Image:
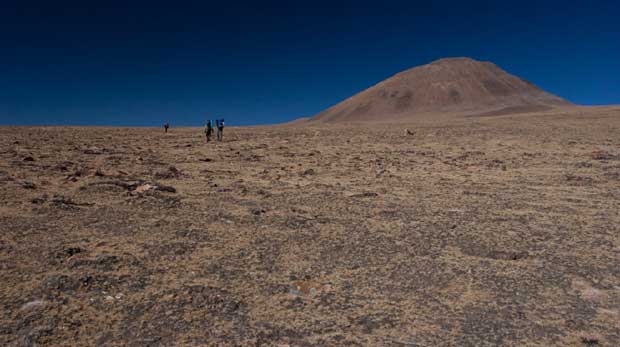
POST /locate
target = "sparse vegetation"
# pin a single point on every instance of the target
(488, 231)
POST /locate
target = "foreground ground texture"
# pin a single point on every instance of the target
(489, 231)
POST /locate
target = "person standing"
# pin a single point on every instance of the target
(208, 130)
(166, 126)
(220, 129)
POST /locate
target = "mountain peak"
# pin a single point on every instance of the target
(454, 60)
(445, 85)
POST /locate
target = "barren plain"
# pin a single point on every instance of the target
(472, 231)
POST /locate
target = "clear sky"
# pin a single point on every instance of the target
(141, 63)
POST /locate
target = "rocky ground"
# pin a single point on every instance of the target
(487, 231)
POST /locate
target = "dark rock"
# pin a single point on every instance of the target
(583, 164)
(71, 251)
(589, 341)
(365, 195)
(168, 189)
(29, 185)
(257, 211)
(171, 173)
(600, 154)
(64, 166)
(308, 172)
(106, 261)
(183, 233)
(39, 200)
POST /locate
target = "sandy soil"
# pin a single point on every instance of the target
(477, 231)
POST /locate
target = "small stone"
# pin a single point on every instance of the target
(32, 305)
(258, 211)
(29, 185)
(39, 200)
(600, 154)
(308, 172)
(589, 340)
(143, 188)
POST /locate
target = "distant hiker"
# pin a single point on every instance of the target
(220, 128)
(166, 126)
(208, 130)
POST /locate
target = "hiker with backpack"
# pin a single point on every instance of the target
(209, 130)
(220, 129)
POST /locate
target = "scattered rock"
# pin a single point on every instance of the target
(66, 203)
(583, 164)
(28, 185)
(600, 154)
(105, 261)
(365, 195)
(35, 304)
(39, 200)
(163, 188)
(86, 280)
(579, 179)
(129, 185)
(508, 255)
(183, 233)
(299, 288)
(99, 173)
(308, 288)
(137, 187)
(308, 172)
(257, 211)
(63, 166)
(171, 173)
(93, 150)
(28, 158)
(80, 171)
(589, 341)
(143, 188)
(71, 251)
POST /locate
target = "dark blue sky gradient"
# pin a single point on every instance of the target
(263, 62)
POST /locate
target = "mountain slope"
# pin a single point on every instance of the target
(446, 85)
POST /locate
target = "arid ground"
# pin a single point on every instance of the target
(472, 231)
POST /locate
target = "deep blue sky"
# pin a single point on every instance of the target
(110, 63)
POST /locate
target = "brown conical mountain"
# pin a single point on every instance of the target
(446, 85)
